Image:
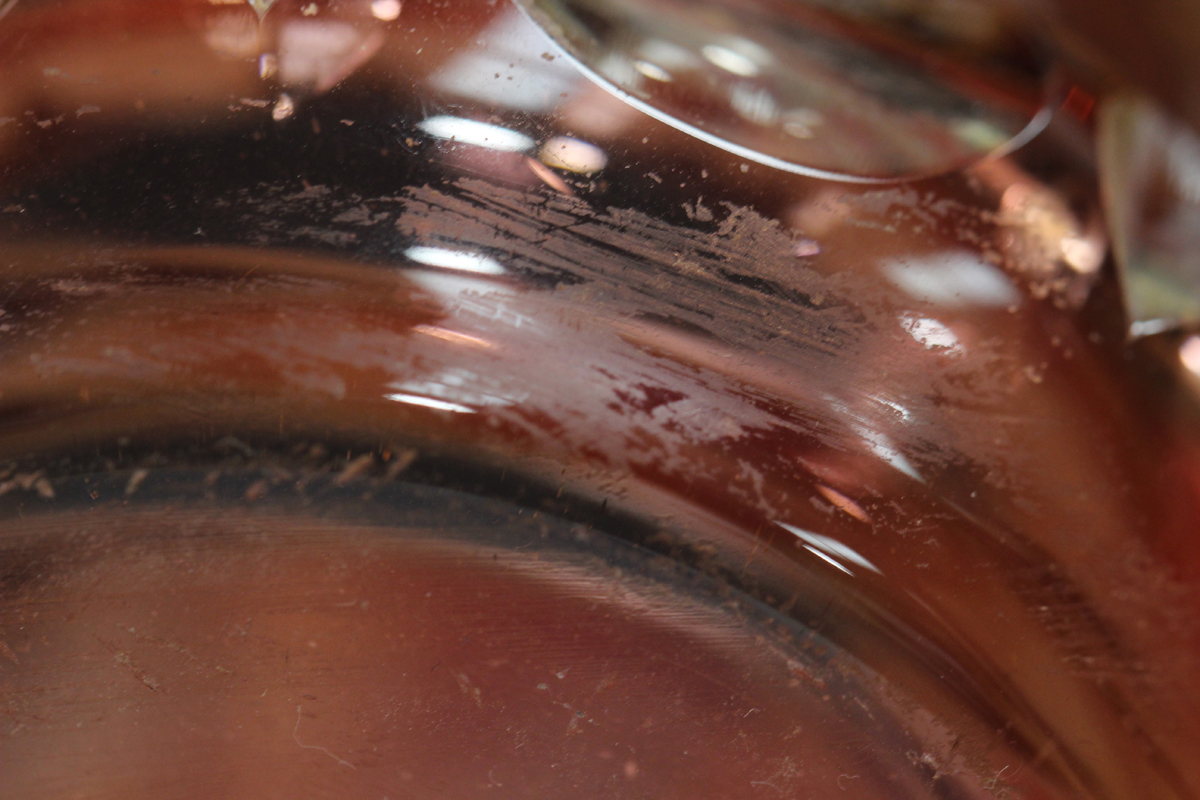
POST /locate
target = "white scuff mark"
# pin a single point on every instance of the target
(296, 736)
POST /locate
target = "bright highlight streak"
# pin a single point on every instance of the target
(652, 71)
(827, 559)
(386, 10)
(828, 547)
(429, 402)
(953, 279)
(284, 108)
(480, 134)
(453, 336)
(1189, 354)
(881, 445)
(455, 259)
(575, 155)
(1083, 255)
(729, 60)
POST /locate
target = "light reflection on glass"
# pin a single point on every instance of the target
(261, 7)
(1082, 254)
(320, 55)
(268, 65)
(875, 440)
(478, 297)
(952, 279)
(844, 503)
(1049, 229)
(455, 337)
(547, 176)
(802, 122)
(458, 387)
(651, 70)
(931, 333)
(429, 402)
(1150, 327)
(284, 108)
(385, 10)
(667, 55)
(730, 60)
(506, 68)
(458, 260)
(480, 134)
(620, 70)
(882, 446)
(729, 73)
(233, 34)
(1150, 169)
(905, 414)
(573, 155)
(754, 103)
(828, 549)
(827, 559)
(1189, 354)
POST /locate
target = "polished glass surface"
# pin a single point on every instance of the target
(393, 405)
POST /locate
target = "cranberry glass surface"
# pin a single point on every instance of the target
(396, 404)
